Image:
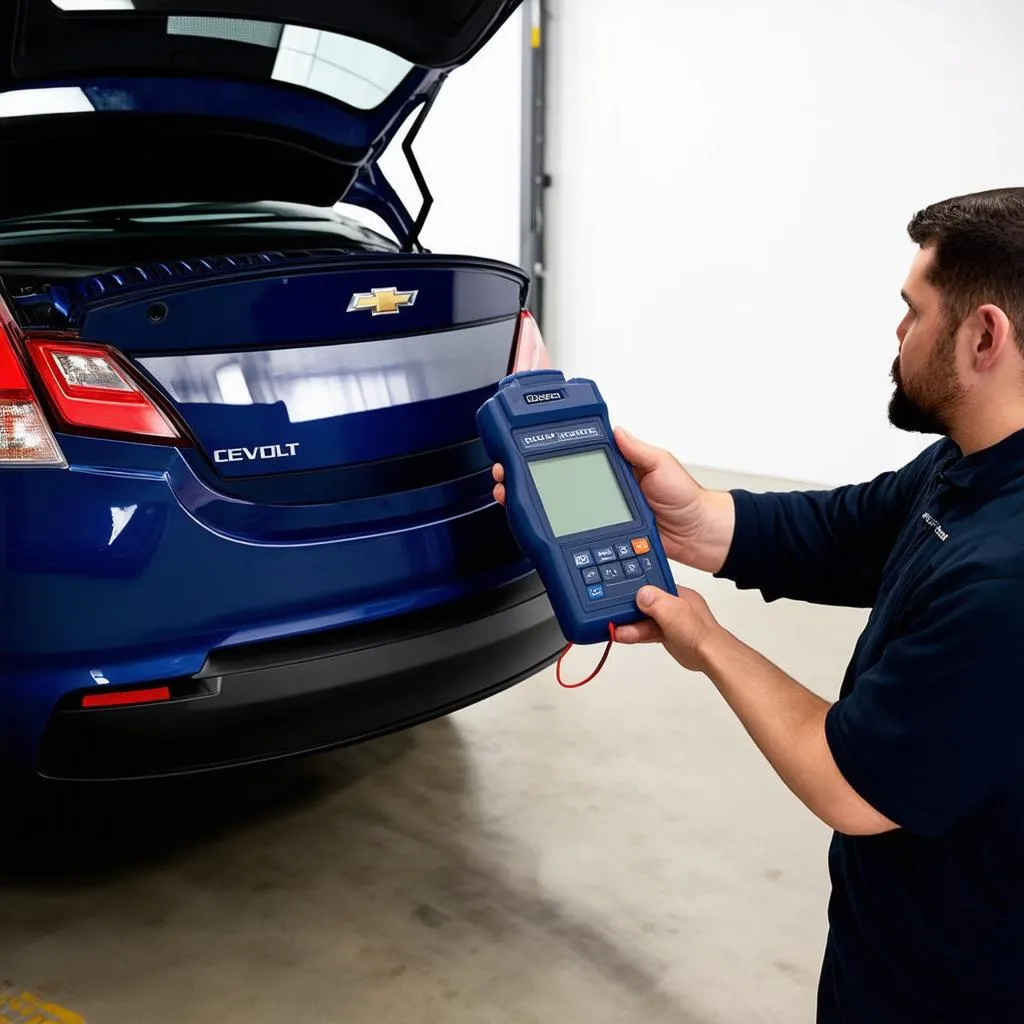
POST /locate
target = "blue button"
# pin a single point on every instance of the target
(604, 555)
(632, 568)
(595, 592)
(611, 573)
(592, 575)
(646, 564)
(582, 559)
(623, 551)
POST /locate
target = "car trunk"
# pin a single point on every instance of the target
(311, 364)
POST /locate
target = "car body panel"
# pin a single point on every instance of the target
(152, 571)
(312, 554)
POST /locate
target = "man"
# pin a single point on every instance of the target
(919, 765)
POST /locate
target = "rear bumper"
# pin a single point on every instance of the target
(286, 698)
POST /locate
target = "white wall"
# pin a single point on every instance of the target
(469, 151)
(727, 226)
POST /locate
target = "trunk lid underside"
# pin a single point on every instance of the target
(182, 100)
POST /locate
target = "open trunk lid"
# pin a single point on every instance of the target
(55, 37)
(184, 100)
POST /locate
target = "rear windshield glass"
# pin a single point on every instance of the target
(357, 73)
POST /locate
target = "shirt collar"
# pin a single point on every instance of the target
(990, 468)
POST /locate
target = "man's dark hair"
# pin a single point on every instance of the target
(979, 253)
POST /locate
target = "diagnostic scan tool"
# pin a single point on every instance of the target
(573, 503)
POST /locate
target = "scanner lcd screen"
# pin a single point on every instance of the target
(579, 492)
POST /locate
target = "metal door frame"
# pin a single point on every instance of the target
(535, 178)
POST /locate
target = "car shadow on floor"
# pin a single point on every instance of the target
(318, 882)
(67, 834)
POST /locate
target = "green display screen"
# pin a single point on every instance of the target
(579, 492)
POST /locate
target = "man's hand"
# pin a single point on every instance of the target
(682, 624)
(695, 525)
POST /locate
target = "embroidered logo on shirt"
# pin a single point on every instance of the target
(935, 525)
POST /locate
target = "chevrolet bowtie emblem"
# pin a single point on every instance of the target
(381, 301)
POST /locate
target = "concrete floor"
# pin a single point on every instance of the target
(616, 853)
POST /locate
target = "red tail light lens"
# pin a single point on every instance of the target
(531, 353)
(25, 437)
(91, 391)
(126, 698)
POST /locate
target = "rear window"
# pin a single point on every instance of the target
(357, 73)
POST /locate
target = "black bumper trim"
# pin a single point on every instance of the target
(299, 696)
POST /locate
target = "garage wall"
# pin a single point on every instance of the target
(732, 182)
(469, 150)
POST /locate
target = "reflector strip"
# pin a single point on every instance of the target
(120, 698)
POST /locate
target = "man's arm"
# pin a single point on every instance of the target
(823, 547)
(787, 723)
(927, 733)
(826, 547)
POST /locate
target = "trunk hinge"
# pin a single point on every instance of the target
(413, 238)
(374, 192)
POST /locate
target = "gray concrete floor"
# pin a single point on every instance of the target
(616, 853)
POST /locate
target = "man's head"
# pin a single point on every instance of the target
(962, 339)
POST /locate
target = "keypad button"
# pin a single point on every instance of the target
(632, 568)
(596, 592)
(623, 550)
(641, 545)
(602, 555)
(582, 559)
(611, 573)
(592, 575)
(646, 564)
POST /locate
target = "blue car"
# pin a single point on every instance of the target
(244, 511)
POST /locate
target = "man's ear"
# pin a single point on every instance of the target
(991, 336)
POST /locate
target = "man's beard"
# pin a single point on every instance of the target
(936, 393)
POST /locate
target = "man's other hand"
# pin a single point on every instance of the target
(682, 624)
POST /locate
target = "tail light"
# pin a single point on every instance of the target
(531, 353)
(92, 392)
(25, 437)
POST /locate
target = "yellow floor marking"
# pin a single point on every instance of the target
(17, 1007)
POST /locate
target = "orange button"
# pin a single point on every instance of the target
(641, 545)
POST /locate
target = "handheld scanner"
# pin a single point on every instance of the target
(573, 504)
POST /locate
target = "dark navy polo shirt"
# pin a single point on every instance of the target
(926, 923)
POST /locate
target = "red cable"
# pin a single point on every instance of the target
(600, 664)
